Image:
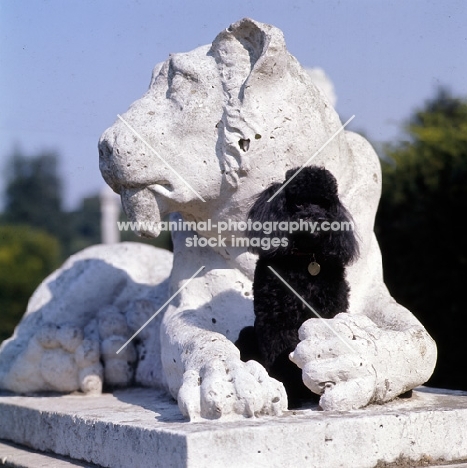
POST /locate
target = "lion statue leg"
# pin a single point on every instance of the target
(82, 314)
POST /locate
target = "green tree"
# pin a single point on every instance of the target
(27, 256)
(420, 227)
(33, 193)
(85, 224)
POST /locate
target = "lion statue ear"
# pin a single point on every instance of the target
(248, 54)
(254, 49)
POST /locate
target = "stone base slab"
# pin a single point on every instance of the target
(17, 456)
(143, 428)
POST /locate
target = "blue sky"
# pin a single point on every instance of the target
(67, 67)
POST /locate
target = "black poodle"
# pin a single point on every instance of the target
(312, 263)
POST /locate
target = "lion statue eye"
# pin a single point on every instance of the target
(177, 85)
(181, 88)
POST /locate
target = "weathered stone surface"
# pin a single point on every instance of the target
(323, 82)
(17, 456)
(84, 312)
(144, 428)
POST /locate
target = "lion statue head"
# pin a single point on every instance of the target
(219, 124)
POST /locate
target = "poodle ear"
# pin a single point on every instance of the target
(264, 209)
(346, 246)
(269, 213)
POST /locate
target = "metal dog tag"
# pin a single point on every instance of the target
(314, 268)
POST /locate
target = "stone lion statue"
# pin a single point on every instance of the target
(216, 126)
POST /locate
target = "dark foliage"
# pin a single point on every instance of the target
(421, 228)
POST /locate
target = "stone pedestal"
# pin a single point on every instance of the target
(143, 428)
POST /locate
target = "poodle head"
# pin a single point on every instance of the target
(311, 186)
(305, 216)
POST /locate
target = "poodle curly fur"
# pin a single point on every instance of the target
(312, 196)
